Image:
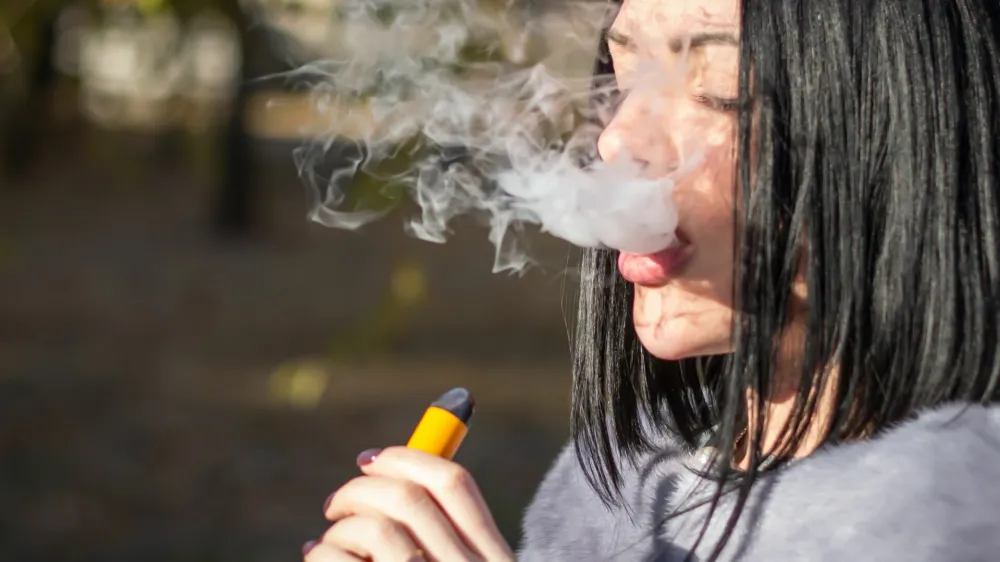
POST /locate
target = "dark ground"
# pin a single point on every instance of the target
(166, 394)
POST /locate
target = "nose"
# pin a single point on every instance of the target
(611, 145)
(641, 137)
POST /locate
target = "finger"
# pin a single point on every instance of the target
(375, 537)
(407, 503)
(453, 488)
(327, 553)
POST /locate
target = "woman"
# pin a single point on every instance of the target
(811, 373)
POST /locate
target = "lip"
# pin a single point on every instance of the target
(654, 269)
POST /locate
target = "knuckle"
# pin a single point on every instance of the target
(408, 495)
(456, 479)
(383, 529)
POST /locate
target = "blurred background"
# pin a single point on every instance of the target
(188, 367)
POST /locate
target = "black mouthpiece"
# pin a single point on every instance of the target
(459, 402)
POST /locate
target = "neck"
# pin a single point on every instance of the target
(779, 408)
(778, 415)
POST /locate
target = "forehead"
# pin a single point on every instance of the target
(659, 18)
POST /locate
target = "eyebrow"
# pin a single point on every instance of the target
(618, 38)
(702, 39)
(677, 44)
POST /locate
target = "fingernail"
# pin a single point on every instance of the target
(366, 457)
(326, 504)
(307, 548)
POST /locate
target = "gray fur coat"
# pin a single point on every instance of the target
(926, 491)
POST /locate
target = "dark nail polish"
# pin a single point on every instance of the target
(326, 504)
(307, 548)
(366, 457)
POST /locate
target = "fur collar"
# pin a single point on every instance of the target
(926, 490)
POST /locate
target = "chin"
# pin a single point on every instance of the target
(666, 346)
(672, 329)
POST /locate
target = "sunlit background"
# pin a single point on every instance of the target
(188, 367)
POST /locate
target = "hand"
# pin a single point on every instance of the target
(409, 506)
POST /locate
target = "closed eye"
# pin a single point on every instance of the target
(718, 103)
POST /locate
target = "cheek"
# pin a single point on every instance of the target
(704, 196)
(705, 201)
(692, 315)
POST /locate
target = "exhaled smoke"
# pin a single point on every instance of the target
(465, 110)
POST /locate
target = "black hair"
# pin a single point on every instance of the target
(875, 132)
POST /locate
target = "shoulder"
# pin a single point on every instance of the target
(547, 522)
(927, 488)
(568, 521)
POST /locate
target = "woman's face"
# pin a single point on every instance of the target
(676, 65)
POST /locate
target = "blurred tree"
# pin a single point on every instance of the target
(25, 96)
(32, 27)
(11, 91)
(234, 209)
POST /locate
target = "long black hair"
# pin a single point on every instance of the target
(875, 130)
